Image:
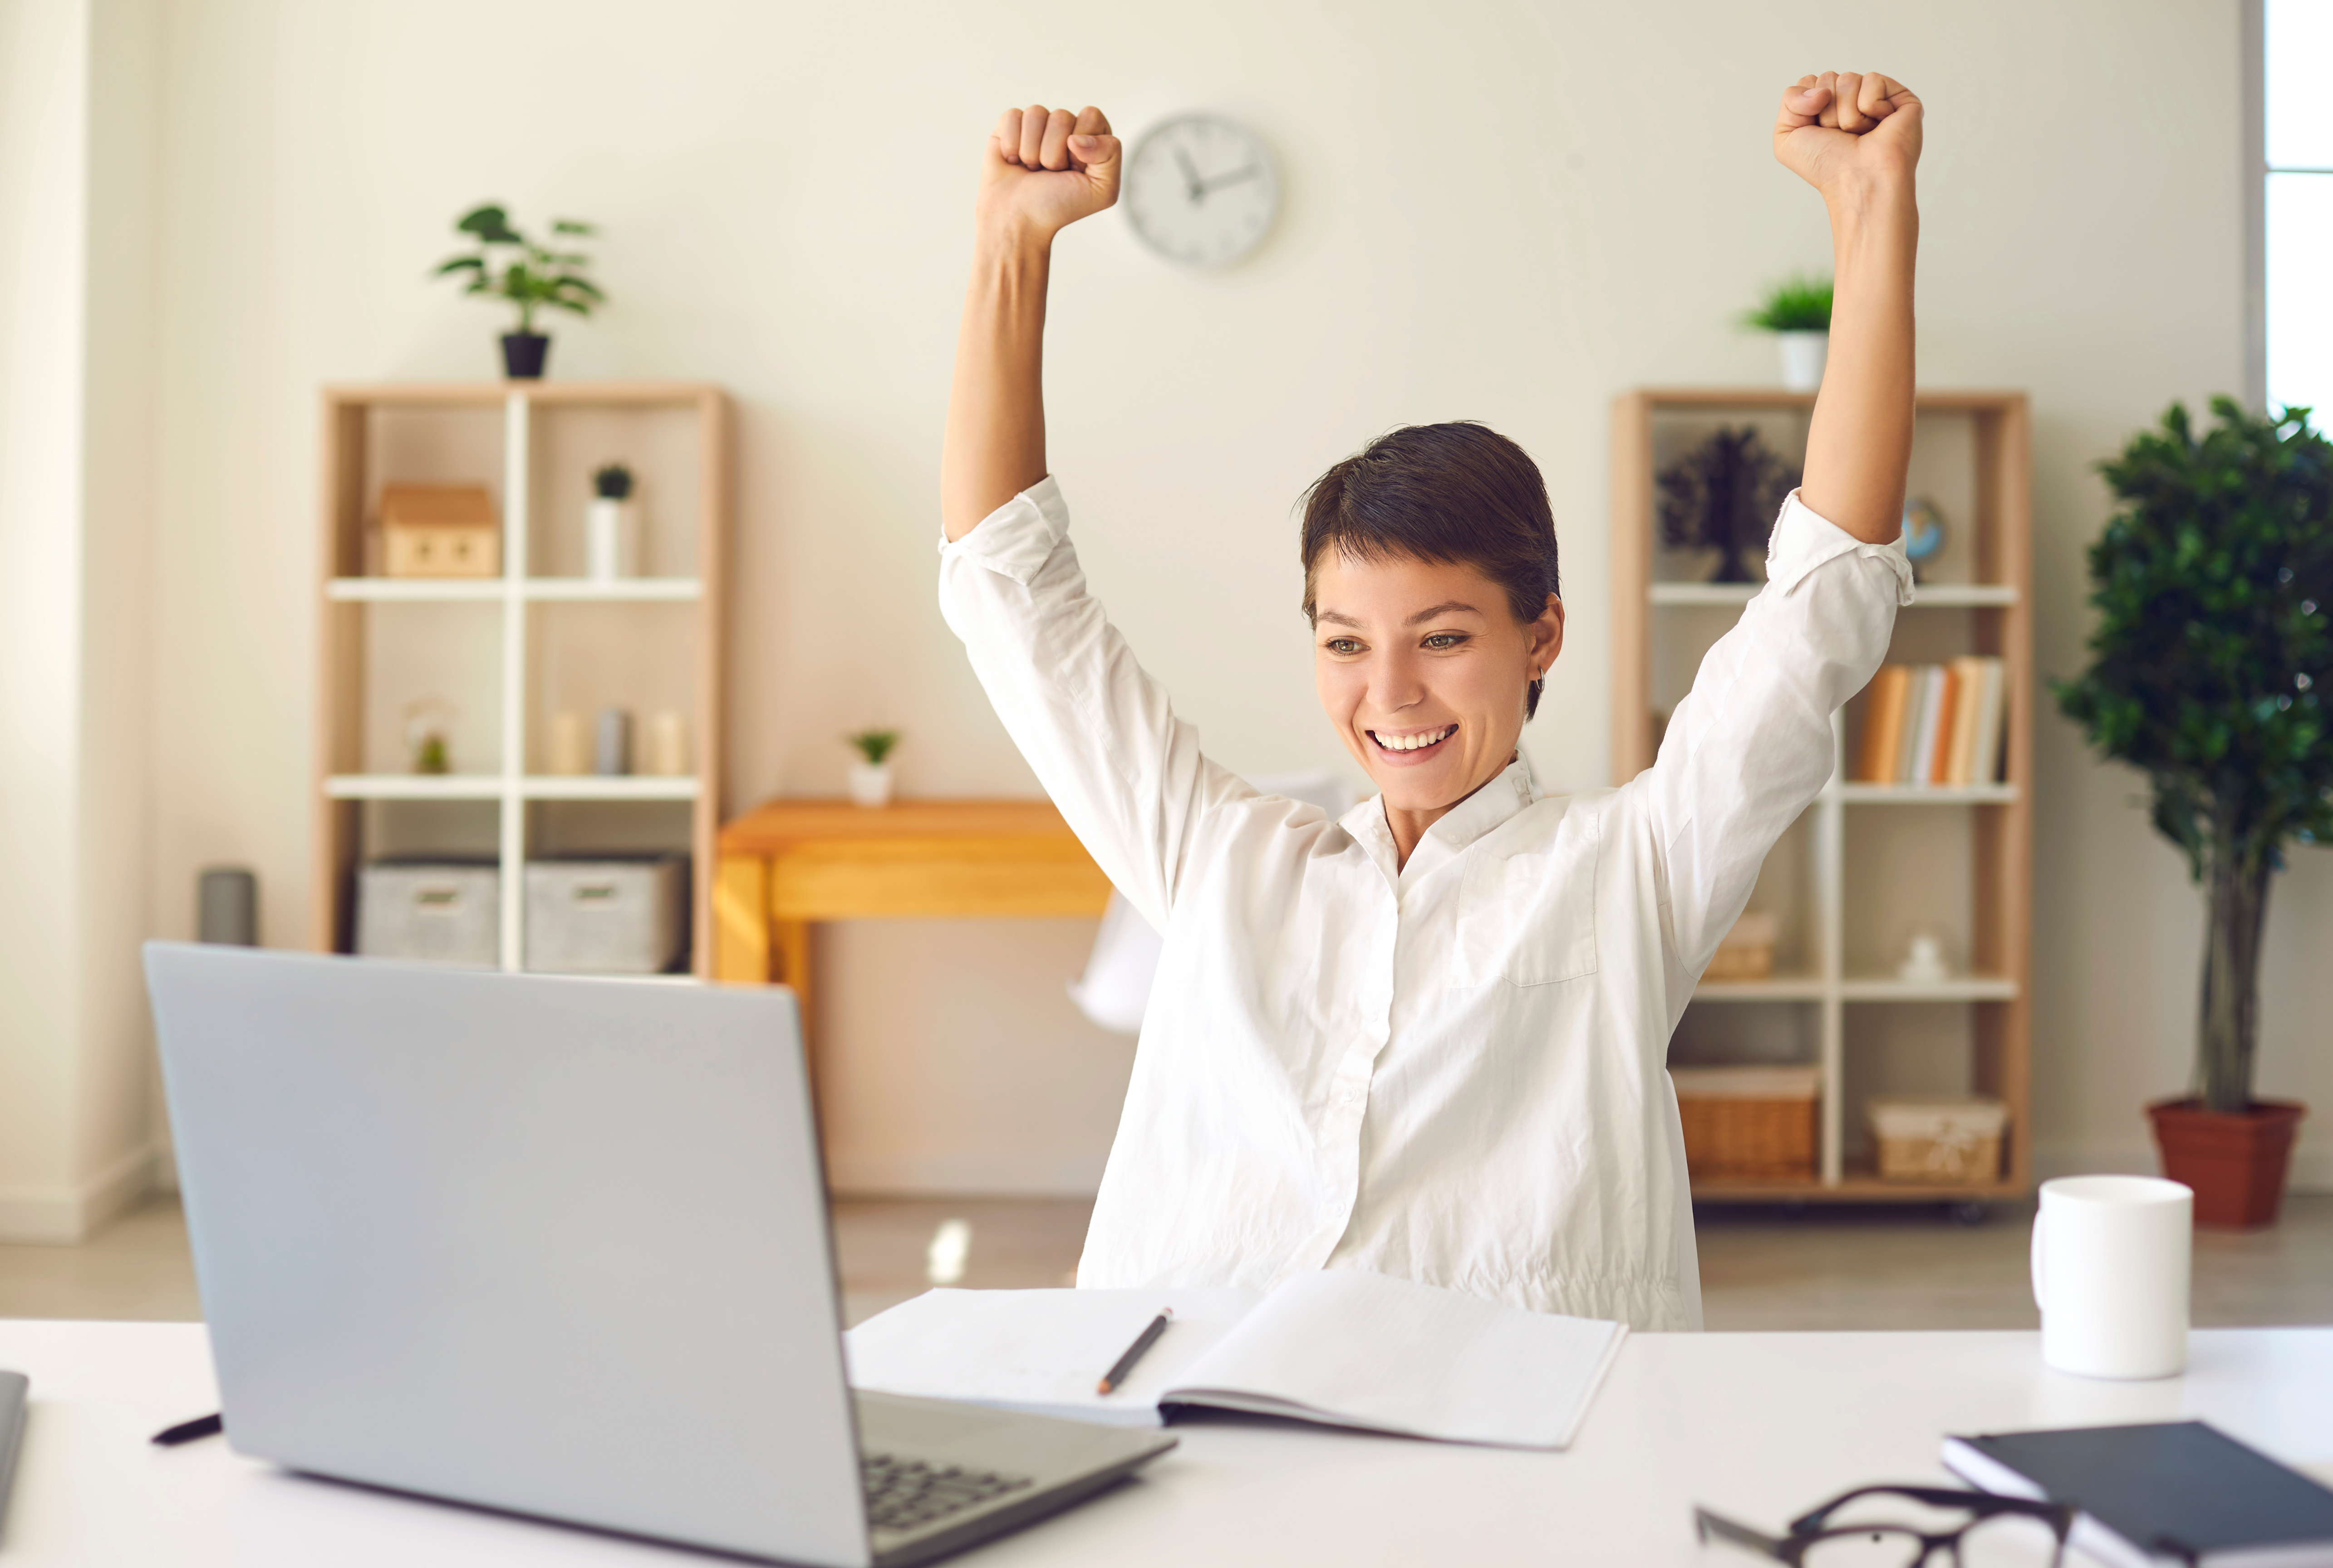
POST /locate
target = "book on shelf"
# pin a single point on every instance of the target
(1911, 756)
(1938, 743)
(1883, 723)
(1991, 724)
(1907, 738)
(1968, 684)
(1932, 724)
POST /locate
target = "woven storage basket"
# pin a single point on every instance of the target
(1749, 1122)
(1747, 952)
(1940, 1139)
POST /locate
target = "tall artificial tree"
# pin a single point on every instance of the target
(2214, 585)
(1722, 496)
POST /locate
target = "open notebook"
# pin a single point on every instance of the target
(1343, 1347)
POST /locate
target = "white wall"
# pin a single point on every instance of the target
(1506, 211)
(42, 117)
(77, 126)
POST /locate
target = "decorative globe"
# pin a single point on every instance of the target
(1924, 531)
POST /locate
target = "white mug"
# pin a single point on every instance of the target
(2111, 1272)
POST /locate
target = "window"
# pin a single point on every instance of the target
(2297, 37)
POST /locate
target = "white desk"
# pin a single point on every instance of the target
(1762, 1426)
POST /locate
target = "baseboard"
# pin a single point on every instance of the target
(2312, 1169)
(1016, 1175)
(1000, 1174)
(67, 1215)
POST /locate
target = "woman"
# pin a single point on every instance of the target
(1428, 1037)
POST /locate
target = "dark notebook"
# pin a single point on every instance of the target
(2175, 1492)
(12, 1386)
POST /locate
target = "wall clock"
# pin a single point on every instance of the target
(1201, 189)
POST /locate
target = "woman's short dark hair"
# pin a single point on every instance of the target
(1458, 493)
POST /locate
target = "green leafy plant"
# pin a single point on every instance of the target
(1799, 305)
(874, 744)
(2212, 586)
(530, 276)
(611, 481)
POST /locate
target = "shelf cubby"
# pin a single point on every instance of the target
(1850, 880)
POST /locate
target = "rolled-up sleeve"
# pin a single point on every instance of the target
(1751, 745)
(1127, 774)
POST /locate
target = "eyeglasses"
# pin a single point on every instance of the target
(2006, 1530)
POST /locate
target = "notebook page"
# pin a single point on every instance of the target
(1041, 1351)
(1361, 1349)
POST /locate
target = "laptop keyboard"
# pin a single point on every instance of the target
(909, 1494)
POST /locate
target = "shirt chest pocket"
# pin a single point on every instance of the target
(1529, 918)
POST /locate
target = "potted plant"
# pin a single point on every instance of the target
(870, 780)
(611, 526)
(532, 277)
(2213, 585)
(1798, 313)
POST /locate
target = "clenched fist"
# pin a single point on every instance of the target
(1844, 128)
(1044, 170)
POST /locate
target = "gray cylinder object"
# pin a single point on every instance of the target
(226, 906)
(613, 754)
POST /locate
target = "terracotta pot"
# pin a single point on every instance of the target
(2234, 1160)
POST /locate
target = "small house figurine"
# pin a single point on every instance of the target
(439, 530)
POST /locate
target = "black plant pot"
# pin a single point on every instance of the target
(523, 354)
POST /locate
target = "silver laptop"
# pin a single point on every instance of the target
(557, 1246)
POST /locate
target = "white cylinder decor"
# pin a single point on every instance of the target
(668, 748)
(571, 744)
(870, 783)
(1804, 354)
(611, 540)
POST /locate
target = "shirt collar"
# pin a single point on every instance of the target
(1451, 833)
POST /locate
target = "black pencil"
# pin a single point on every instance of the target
(1133, 1352)
(188, 1431)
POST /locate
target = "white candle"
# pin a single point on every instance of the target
(668, 745)
(571, 747)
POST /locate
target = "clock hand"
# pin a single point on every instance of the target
(1250, 172)
(1190, 180)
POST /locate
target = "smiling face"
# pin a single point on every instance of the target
(1424, 669)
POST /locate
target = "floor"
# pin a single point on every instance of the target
(1761, 1268)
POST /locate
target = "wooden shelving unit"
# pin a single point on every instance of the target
(386, 640)
(1966, 851)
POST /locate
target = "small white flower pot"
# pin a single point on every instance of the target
(611, 540)
(1804, 357)
(870, 783)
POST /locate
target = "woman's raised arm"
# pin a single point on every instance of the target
(1855, 137)
(1750, 745)
(1042, 170)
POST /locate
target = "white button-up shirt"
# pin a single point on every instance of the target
(1455, 1071)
